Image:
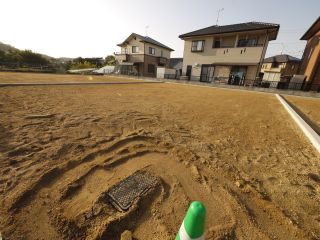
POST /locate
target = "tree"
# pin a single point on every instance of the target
(30, 57)
(13, 57)
(79, 65)
(110, 60)
(25, 58)
(78, 60)
(2, 55)
(97, 62)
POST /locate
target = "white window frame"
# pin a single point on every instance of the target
(136, 49)
(152, 51)
(196, 46)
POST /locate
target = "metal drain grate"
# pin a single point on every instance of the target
(123, 194)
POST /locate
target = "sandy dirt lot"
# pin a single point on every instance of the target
(308, 106)
(10, 77)
(63, 147)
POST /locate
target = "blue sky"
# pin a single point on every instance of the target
(72, 28)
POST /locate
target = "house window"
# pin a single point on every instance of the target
(135, 49)
(152, 51)
(251, 42)
(216, 44)
(275, 65)
(151, 68)
(242, 42)
(197, 46)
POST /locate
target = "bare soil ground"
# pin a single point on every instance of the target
(308, 106)
(11, 77)
(63, 147)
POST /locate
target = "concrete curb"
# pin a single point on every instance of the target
(313, 137)
(297, 93)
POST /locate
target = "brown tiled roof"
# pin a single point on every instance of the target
(240, 27)
(148, 40)
(281, 58)
(315, 27)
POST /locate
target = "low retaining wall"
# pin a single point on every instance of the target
(266, 90)
(311, 134)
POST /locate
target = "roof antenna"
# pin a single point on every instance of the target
(283, 48)
(147, 27)
(220, 10)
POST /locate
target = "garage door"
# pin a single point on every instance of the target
(271, 76)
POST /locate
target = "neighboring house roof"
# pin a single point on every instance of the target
(281, 58)
(83, 70)
(315, 27)
(105, 69)
(240, 27)
(145, 39)
(175, 63)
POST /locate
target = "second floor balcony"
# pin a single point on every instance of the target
(124, 57)
(137, 58)
(121, 57)
(245, 55)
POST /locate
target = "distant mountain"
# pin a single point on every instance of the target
(6, 47)
(63, 59)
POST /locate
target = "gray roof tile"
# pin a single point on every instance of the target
(148, 40)
(281, 58)
(249, 26)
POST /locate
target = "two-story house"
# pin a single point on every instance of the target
(310, 64)
(142, 55)
(230, 53)
(280, 67)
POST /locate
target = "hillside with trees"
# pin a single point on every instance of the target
(13, 59)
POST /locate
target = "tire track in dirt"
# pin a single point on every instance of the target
(53, 173)
(69, 193)
(73, 169)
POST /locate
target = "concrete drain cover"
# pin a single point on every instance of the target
(123, 194)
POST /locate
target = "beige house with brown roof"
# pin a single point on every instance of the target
(280, 67)
(230, 53)
(142, 55)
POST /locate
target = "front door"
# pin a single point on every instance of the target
(206, 73)
(237, 75)
(188, 73)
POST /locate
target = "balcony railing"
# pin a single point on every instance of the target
(121, 57)
(136, 58)
(239, 46)
(162, 60)
(235, 55)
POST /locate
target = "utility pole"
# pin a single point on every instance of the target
(220, 10)
(147, 27)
